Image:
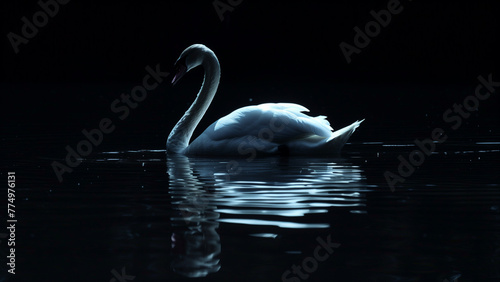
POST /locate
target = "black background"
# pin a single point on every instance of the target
(424, 61)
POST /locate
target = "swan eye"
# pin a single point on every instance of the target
(178, 66)
(179, 70)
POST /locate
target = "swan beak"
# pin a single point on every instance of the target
(180, 71)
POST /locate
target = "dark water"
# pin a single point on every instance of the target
(138, 215)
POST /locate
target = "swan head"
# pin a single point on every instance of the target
(189, 59)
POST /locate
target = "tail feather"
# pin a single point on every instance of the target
(339, 137)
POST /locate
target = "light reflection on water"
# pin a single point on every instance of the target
(267, 187)
(277, 199)
(263, 192)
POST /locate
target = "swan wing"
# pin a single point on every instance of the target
(266, 127)
(275, 122)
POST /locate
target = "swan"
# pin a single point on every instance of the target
(265, 129)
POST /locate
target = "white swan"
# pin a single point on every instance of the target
(280, 128)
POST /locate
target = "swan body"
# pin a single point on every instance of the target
(265, 129)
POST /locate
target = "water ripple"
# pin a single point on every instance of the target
(267, 188)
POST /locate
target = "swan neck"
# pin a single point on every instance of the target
(179, 137)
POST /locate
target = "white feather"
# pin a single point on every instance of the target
(269, 128)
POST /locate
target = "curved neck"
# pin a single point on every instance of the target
(179, 137)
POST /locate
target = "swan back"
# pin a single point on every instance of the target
(267, 129)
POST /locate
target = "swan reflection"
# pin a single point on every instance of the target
(271, 192)
(195, 241)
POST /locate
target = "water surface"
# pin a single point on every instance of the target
(164, 218)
